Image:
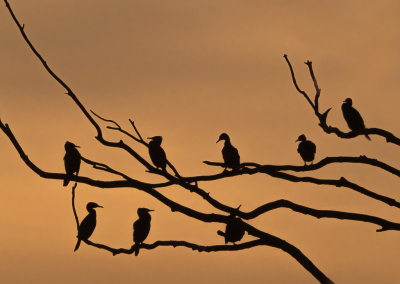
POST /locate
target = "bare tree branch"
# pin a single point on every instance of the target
(104, 167)
(325, 161)
(73, 206)
(175, 244)
(70, 93)
(386, 225)
(390, 138)
(265, 239)
(141, 141)
(274, 171)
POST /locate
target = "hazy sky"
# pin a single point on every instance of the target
(189, 71)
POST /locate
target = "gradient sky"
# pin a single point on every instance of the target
(190, 70)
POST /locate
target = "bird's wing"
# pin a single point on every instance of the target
(313, 147)
(87, 227)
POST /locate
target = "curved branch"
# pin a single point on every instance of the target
(276, 242)
(325, 161)
(390, 138)
(175, 244)
(102, 184)
(104, 167)
(70, 93)
(264, 239)
(141, 141)
(73, 206)
(274, 171)
(386, 225)
(342, 182)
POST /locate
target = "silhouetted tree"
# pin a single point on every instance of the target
(234, 219)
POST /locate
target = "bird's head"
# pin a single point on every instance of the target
(348, 101)
(92, 205)
(143, 211)
(69, 146)
(301, 138)
(223, 136)
(156, 139)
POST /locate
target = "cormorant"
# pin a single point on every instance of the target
(72, 161)
(353, 117)
(306, 149)
(141, 227)
(157, 154)
(88, 224)
(234, 230)
(229, 153)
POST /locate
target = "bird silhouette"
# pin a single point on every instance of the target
(88, 224)
(353, 117)
(141, 227)
(72, 161)
(229, 153)
(234, 230)
(157, 153)
(306, 149)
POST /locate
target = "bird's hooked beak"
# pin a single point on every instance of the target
(218, 140)
(76, 146)
(99, 206)
(297, 140)
(151, 138)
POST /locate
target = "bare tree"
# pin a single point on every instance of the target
(191, 183)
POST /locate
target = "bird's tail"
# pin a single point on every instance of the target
(78, 243)
(366, 136)
(67, 180)
(137, 249)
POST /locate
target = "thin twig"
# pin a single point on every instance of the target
(73, 206)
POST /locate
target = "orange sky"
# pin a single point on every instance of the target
(190, 70)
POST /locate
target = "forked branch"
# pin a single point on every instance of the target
(390, 138)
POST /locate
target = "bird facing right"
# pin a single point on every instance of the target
(353, 117)
(157, 153)
(141, 227)
(306, 149)
(72, 161)
(88, 224)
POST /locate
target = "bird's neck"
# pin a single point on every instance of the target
(146, 216)
(91, 211)
(227, 142)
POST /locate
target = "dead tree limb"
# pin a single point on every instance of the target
(390, 138)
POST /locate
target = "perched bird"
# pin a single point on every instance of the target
(72, 161)
(141, 227)
(157, 154)
(229, 153)
(306, 149)
(353, 117)
(88, 224)
(234, 230)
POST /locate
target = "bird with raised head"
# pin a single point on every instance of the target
(234, 230)
(88, 224)
(353, 117)
(72, 161)
(141, 227)
(229, 153)
(306, 149)
(157, 153)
